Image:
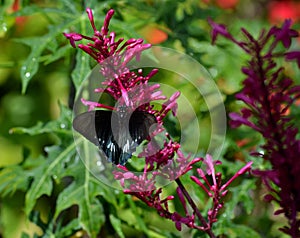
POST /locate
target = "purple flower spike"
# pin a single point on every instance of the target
(268, 96)
(294, 55)
(218, 29)
(284, 34)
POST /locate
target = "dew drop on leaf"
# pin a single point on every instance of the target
(27, 75)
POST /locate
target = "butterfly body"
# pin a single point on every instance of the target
(117, 134)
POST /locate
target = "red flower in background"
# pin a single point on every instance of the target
(20, 21)
(278, 11)
(153, 34)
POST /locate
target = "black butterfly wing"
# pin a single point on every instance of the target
(117, 143)
(96, 127)
(139, 126)
(105, 135)
(85, 124)
(130, 130)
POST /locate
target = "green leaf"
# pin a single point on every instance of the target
(61, 161)
(38, 45)
(68, 230)
(17, 177)
(240, 193)
(140, 225)
(82, 69)
(57, 54)
(83, 191)
(61, 126)
(25, 235)
(116, 223)
(30, 67)
(236, 231)
(42, 183)
(12, 179)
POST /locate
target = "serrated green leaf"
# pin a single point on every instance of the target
(82, 69)
(116, 223)
(30, 67)
(12, 179)
(83, 192)
(241, 194)
(61, 52)
(68, 230)
(140, 222)
(42, 183)
(236, 231)
(35, 130)
(52, 46)
(61, 126)
(39, 44)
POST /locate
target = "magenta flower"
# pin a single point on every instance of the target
(216, 190)
(133, 93)
(130, 89)
(126, 87)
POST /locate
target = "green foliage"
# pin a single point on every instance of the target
(49, 42)
(62, 198)
(46, 174)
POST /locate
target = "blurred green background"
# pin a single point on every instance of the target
(180, 25)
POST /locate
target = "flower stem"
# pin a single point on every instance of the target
(207, 228)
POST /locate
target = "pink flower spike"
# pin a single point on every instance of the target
(243, 170)
(223, 194)
(128, 175)
(122, 167)
(171, 197)
(99, 90)
(72, 37)
(93, 105)
(246, 168)
(197, 181)
(108, 17)
(113, 36)
(91, 18)
(152, 73)
(174, 96)
(210, 167)
(201, 173)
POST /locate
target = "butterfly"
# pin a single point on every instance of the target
(116, 133)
